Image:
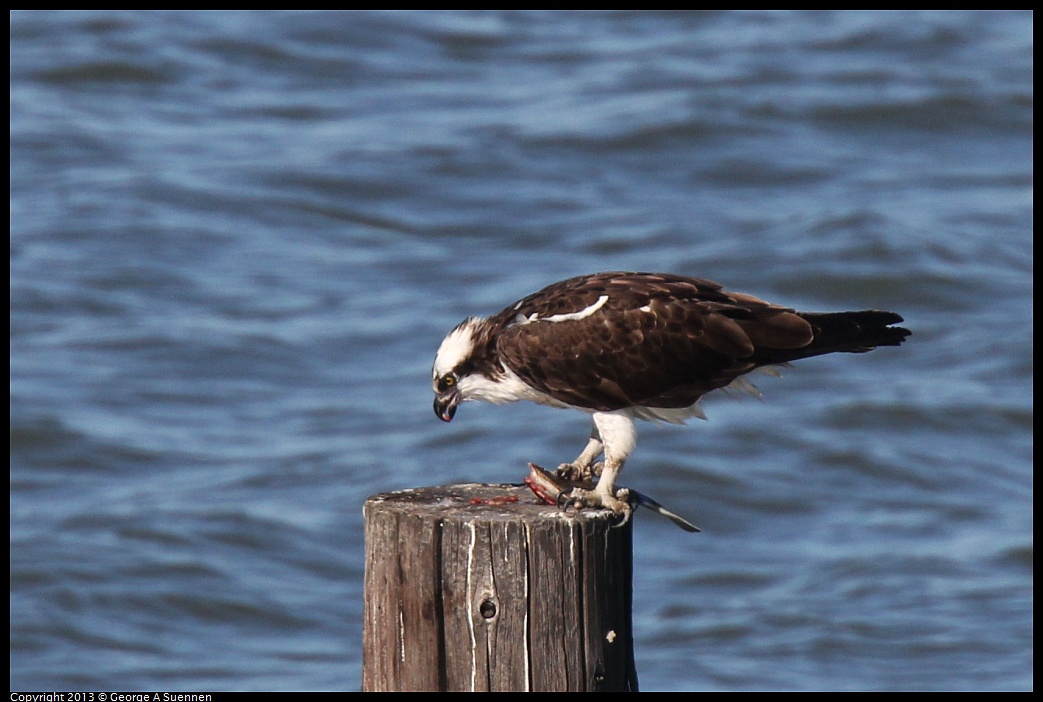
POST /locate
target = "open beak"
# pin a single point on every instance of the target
(445, 406)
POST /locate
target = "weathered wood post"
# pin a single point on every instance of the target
(484, 587)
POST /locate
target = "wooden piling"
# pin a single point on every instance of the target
(485, 588)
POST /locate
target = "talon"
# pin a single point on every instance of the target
(624, 518)
(579, 499)
(574, 473)
(570, 502)
(620, 504)
(576, 499)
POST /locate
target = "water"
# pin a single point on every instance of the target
(238, 238)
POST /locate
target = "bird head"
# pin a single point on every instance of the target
(447, 396)
(452, 368)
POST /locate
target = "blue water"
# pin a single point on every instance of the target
(237, 240)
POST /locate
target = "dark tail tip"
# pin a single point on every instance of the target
(856, 332)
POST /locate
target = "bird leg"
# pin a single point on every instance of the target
(583, 469)
(616, 433)
(603, 496)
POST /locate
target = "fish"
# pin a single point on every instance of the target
(554, 490)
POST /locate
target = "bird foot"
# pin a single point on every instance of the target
(576, 473)
(592, 499)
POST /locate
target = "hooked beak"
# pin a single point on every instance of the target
(445, 406)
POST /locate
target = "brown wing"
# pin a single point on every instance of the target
(658, 340)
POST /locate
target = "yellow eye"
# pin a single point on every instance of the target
(447, 381)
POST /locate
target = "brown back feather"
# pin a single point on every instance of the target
(694, 338)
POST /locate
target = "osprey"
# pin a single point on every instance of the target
(624, 346)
